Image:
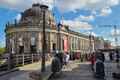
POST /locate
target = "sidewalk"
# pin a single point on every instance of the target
(76, 71)
(110, 67)
(35, 67)
(82, 71)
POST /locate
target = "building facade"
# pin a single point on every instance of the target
(26, 35)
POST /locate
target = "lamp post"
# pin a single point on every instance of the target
(90, 44)
(59, 37)
(43, 9)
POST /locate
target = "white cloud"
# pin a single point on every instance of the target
(85, 18)
(114, 2)
(70, 5)
(117, 33)
(23, 4)
(18, 17)
(105, 11)
(63, 5)
(91, 33)
(77, 25)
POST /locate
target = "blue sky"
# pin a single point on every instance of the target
(78, 13)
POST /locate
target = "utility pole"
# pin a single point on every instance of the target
(59, 36)
(90, 42)
(91, 46)
(43, 9)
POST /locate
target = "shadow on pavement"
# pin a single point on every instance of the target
(80, 72)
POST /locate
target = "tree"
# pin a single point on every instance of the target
(2, 50)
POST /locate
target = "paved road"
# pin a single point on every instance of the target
(74, 71)
(83, 72)
(23, 74)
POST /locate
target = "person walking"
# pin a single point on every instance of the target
(92, 60)
(117, 58)
(56, 65)
(111, 56)
(99, 68)
(102, 56)
(67, 58)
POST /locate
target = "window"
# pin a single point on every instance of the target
(20, 40)
(33, 45)
(21, 46)
(54, 46)
(21, 49)
(32, 41)
(12, 45)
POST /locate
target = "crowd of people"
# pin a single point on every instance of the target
(97, 60)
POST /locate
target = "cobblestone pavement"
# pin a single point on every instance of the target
(82, 71)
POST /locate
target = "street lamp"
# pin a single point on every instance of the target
(59, 37)
(91, 44)
(43, 9)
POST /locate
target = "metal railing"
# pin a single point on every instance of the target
(22, 59)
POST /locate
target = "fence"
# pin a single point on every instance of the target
(22, 59)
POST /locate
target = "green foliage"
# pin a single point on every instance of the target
(2, 50)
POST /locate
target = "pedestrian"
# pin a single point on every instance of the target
(81, 58)
(92, 60)
(117, 58)
(85, 57)
(67, 57)
(111, 56)
(99, 68)
(56, 64)
(103, 56)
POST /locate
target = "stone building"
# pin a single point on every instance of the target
(25, 36)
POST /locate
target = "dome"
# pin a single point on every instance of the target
(34, 11)
(33, 15)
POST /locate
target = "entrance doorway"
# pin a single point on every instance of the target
(21, 49)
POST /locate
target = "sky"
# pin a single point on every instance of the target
(81, 15)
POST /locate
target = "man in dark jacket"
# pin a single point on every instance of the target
(99, 73)
(57, 63)
(102, 56)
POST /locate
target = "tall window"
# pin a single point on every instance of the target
(33, 45)
(54, 47)
(21, 46)
(20, 41)
(12, 46)
(72, 43)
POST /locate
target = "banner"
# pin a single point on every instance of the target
(65, 44)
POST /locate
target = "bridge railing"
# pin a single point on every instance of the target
(22, 59)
